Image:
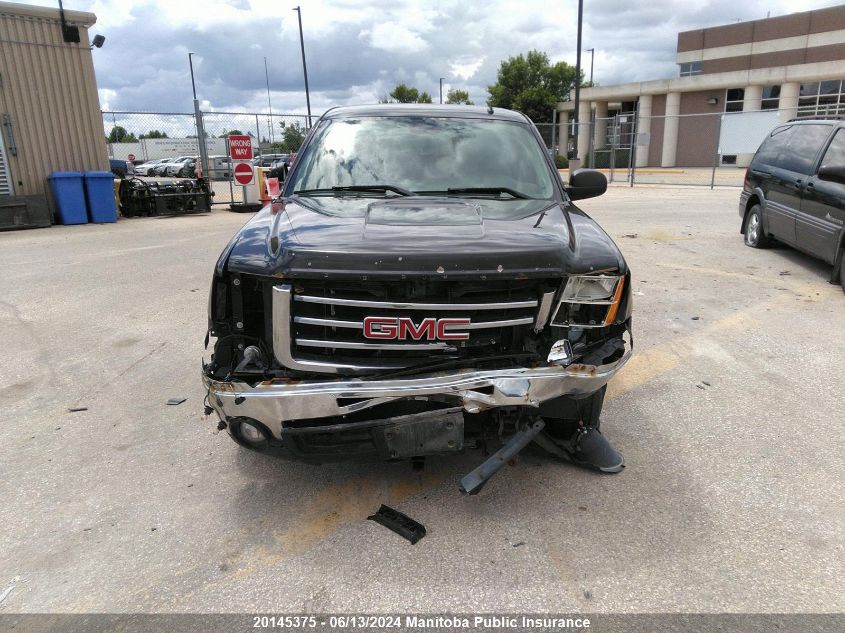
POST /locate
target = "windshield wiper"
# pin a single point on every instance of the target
(361, 188)
(492, 191)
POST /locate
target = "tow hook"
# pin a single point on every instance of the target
(473, 481)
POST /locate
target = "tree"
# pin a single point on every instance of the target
(456, 96)
(407, 94)
(531, 84)
(119, 134)
(154, 134)
(235, 132)
(292, 137)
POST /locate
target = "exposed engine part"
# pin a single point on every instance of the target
(147, 198)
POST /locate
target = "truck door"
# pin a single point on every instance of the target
(820, 221)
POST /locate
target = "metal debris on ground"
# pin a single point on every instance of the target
(147, 198)
(77, 409)
(473, 481)
(174, 401)
(400, 523)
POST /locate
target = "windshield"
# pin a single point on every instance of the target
(426, 155)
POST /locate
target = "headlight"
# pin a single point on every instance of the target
(589, 301)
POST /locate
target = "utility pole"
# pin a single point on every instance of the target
(198, 119)
(578, 81)
(269, 105)
(304, 67)
(592, 53)
(441, 91)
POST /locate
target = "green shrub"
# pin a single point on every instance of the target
(561, 162)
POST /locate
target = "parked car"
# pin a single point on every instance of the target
(279, 167)
(148, 168)
(181, 167)
(402, 312)
(265, 160)
(121, 168)
(161, 169)
(794, 191)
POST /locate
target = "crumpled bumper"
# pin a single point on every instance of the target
(278, 401)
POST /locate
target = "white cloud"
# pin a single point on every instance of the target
(358, 50)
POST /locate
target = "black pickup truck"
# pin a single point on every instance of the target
(423, 285)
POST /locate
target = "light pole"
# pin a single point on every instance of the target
(304, 67)
(198, 120)
(578, 81)
(592, 53)
(270, 106)
(441, 91)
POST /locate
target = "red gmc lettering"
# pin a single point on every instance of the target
(443, 335)
(380, 327)
(388, 328)
(427, 328)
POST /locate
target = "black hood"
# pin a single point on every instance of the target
(438, 238)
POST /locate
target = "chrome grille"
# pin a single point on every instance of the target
(319, 326)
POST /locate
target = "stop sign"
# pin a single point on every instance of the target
(244, 173)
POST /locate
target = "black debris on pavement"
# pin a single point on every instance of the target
(174, 401)
(400, 523)
(77, 409)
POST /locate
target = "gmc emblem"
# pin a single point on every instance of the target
(401, 328)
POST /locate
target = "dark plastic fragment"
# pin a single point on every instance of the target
(400, 523)
(174, 401)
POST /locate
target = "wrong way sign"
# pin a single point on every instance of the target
(244, 173)
(240, 147)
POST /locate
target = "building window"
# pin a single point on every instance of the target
(692, 68)
(734, 99)
(821, 99)
(771, 98)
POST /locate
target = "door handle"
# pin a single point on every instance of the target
(811, 185)
(799, 181)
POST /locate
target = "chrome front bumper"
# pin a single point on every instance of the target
(275, 402)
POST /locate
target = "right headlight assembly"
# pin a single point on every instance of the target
(589, 301)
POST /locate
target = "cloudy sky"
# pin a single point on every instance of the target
(357, 50)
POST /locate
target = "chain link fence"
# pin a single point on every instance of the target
(688, 149)
(711, 149)
(165, 144)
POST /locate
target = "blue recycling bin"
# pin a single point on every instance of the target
(69, 195)
(99, 192)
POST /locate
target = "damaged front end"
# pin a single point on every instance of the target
(294, 373)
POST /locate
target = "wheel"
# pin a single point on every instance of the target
(753, 229)
(181, 173)
(842, 271)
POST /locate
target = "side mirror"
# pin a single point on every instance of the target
(832, 173)
(586, 183)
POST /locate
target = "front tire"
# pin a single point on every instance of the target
(753, 229)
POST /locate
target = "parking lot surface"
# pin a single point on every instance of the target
(731, 417)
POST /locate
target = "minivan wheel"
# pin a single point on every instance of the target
(754, 229)
(842, 271)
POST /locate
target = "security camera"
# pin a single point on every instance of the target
(98, 41)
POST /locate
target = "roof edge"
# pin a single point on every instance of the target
(80, 18)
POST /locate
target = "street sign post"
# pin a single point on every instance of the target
(244, 173)
(240, 147)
